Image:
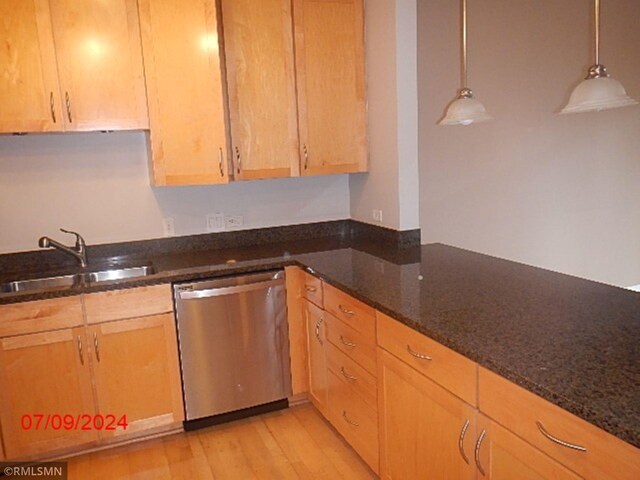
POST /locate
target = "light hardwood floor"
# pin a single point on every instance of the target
(290, 444)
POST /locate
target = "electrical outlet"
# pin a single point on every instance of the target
(215, 222)
(377, 215)
(168, 227)
(233, 222)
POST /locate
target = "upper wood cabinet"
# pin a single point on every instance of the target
(258, 39)
(182, 64)
(329, 39)
(71, 66)
(29, 90)
(100, 64)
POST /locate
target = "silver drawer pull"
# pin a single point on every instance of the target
(320, 320)
(310, 289)
(418, 355)
(80, 351)
(476, 454)
(345, 310)
(346, 419)
(346, 342)
(347, 375)
(558, 441)
(461, 441)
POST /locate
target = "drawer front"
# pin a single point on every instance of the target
(129, 303)
(361, 382)
(40, 316)
(354, 419)
(312, 289)
(353, 312)
(525, 414)
(360, 348)
(454, 372)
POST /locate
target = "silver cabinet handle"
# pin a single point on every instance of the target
(238, 160)
(476, 454)
(345, 310)
(346, 419)
(463, 432)
(347, 376)
(306, 156)
(418, 355)
(557, 440)
(96, 346)
(53, 107)
(68, 102)
(220, 163)
(347, 342)
(80, 350)
(310, 289)
(320, 320)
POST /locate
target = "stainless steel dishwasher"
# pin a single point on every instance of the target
(234, 347)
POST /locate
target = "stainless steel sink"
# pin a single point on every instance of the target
(75, 279)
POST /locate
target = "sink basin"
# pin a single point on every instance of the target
(75, 279)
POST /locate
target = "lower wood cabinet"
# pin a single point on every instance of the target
(44, 374)
(504, 456)
(317, 357)
(60, 388)
(136, 373)
(425, 431)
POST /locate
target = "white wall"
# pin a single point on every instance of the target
(392, 183)
(98, 184)
(561, 192)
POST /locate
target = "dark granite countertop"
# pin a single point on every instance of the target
(571, 341)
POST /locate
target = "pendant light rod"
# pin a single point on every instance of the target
(597, 37)
(465, 78)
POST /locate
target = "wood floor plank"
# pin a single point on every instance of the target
(334, 447)
(299, 446)
(224, 454)
(296, 443)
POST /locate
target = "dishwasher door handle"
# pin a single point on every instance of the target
(217, 292)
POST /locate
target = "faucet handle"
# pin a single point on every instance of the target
(80, 243)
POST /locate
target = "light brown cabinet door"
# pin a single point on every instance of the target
(329, 39)
(44, 374)
(100, 64)
(421, 425)
(504, 456)
(262, 95)
(185, 89)
(317, 356)
(136, 373)
(29, 91)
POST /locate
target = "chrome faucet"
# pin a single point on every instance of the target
(79, 250)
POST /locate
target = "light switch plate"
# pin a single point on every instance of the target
(234, 222)
(168, 227)
(215, 222)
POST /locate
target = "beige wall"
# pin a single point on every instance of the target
(98, 184)
(561, 192)
(392, 182)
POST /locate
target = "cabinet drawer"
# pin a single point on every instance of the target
(525, 414)
(357, 346)
(40, 316)
(354, 419)
(129, 303)
(360, 382)
(353, 312)
(312, 289)
(442, 365)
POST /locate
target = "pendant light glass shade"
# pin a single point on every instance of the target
(464, 109)
(598, 91)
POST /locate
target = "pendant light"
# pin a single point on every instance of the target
(598, 91)
(464, 109)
